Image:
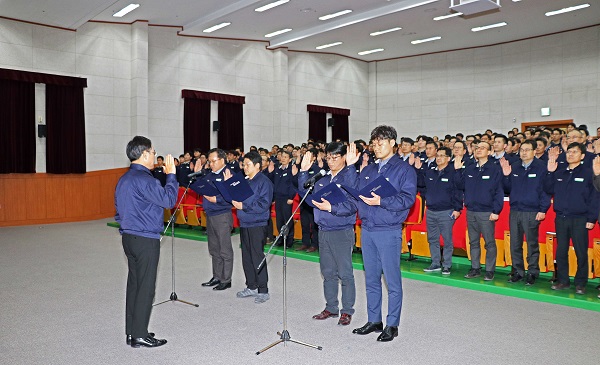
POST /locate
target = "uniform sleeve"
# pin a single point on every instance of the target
(457, 198)
(549, 183)
(596, 182)
(498, 193)
(405, 198)
(262, 201)
(164, 197)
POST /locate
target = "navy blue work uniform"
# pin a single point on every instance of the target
(381, 236)
(139, 202)
(283, 190)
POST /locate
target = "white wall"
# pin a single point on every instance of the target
(472, 90)
(136, 73)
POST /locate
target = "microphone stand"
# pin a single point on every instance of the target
(284, 334)
(173, 297)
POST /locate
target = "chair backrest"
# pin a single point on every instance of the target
(415, 215)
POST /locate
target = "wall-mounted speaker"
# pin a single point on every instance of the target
(330, 122)
(216, 126)
(42, 131)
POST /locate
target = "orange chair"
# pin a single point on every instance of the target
(415, 216)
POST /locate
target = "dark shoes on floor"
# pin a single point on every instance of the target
(128, 338)
(148, 341)
(312, 249)
(222, 286)
(560, 286)
(580, 289)
(325, 314)
(530, 279)
(473, 273)
(368, 328)
(212, 282)
(388, 334)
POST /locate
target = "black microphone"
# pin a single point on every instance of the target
(194, 174)
(311, 182)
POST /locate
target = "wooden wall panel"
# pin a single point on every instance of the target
(27, 199)
(55, 196)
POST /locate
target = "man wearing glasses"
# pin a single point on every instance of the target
(139, 202)
(381, 237)
(523, 180)
(336, 230)
(484, 199)
(576, 207)
(219, 223)
(444, 204)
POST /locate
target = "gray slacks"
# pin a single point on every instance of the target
(218, 230)
(479, 224)
(438, 223)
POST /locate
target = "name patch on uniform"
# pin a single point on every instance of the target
(486, 177)
(579, 179)
(516, 175)
(532, 175)
(284, 174)
(444, 179)
(218, 179)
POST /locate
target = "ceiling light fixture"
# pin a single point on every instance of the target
(339, 13)
(447, 16)
(329, 45)
(426, 40)
(215, 27)
(271, 5)
(277, 33)
(384, 31)
(497, 25)
(371, 51)
(566, 10)
(129, 8)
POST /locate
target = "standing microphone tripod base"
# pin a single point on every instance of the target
(284, 335)
(173, 296)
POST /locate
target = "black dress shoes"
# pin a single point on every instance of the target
(128, 339)
(222, 286)
(368, 328)
(149, 341)
(212, 282)
(388, 334)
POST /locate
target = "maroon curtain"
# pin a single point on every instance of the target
(231, 126)
(41, 78)
(340, 128)
(317, 126)
(327, 109)
(65, 120)
(196, 124)
(17, 126)
(205, 95)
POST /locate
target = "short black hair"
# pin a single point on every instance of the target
(461, 142)
(220, 153)
(254, 157)
(446, 150)
(161, 157)
(431, 141)
(581, 146)
(287, 153)
(384, 132)
(530, 142)
(407, 140)
(337, 148)
(137, 146)
(543, 140)
(504, 138)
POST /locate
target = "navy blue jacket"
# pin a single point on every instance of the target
(526, 188)
(221, 206)
(159, 173)
(441, 191)
(574, 193)
(343, 215)
(256, 210)
(283, 182)
(482, 187)
(507, 156)
(140, 201)
(587, 160)
(182, 172)
(422, 189)
(394, 209)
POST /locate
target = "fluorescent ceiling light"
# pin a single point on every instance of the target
(566, 10)
(516, 1)
(129, 8)
(426, 40)
(277, 33)
(215, 27)
(329, 45)
(339, 13)
(497, 25)
(371, 51)
(447, 16)
(271, 5)
(385, 31)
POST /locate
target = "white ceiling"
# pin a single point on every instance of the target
(525, 19)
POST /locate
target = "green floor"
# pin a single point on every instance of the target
(414, 270)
